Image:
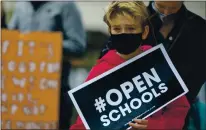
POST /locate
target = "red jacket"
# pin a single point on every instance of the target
(171, 118)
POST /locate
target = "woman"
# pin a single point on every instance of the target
(126, 24)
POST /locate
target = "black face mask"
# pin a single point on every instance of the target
(126, 43)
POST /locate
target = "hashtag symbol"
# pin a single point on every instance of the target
(100, 104)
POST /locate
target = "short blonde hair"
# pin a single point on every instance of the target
(132, 8)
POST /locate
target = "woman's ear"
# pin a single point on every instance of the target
(145, 32)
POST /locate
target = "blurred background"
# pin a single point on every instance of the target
(91, 14)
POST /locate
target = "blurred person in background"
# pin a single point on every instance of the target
(3, 17)
(183, 34)
(54, 16)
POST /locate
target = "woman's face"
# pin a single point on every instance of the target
(128, 25)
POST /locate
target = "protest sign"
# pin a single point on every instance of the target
(136, 88)
(31, 68)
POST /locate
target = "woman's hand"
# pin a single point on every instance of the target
(139, 124)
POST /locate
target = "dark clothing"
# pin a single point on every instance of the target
(186, 46)
(3, 21)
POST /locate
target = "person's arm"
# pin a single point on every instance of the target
(73, 32)
(173, 117)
